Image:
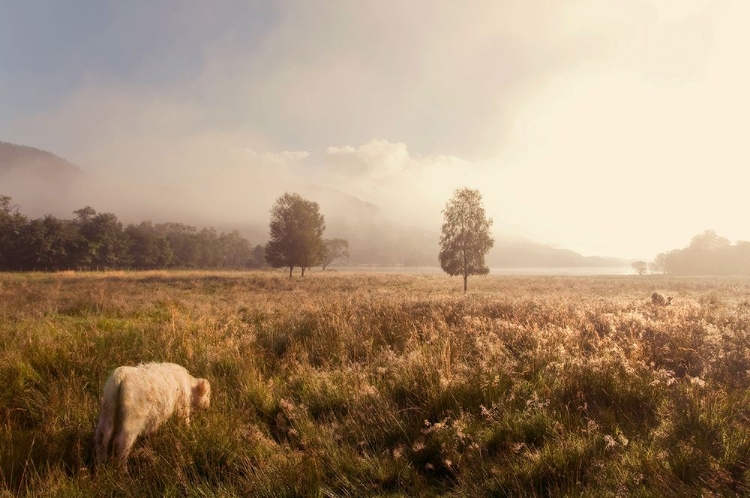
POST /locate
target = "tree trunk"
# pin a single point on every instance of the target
(303, 271)
(290, 271)
(466, 267)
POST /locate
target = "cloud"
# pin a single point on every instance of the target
(632, 154)
(411, 188)
(274, 158)
(376, 160)
(611, 128)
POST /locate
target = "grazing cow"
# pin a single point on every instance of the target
(660, 299)
(137, 400)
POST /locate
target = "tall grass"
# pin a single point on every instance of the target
(354, 385)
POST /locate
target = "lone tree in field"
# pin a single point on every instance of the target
(640, 267)
(296, 233)
(332, 250)
(465, 238)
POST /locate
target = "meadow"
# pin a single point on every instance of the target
(384, 385)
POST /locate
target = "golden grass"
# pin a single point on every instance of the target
(350, 385)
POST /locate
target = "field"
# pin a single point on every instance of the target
(362, 385)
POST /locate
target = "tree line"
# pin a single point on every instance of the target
(707, 254)
(94, 240)
(100, 241)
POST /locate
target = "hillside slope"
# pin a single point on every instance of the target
(37, 163)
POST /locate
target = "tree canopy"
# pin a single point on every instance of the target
(707, 254)
(94, 240)
(296, 231)
(465, 237)
(640, 267)
(332, 250)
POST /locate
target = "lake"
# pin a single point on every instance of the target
(435, 270)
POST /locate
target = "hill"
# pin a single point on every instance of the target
(35, 163)
(39, 181)
(510, 252)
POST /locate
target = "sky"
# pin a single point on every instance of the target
(609, 128)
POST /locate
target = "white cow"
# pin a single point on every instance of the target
(137, 400)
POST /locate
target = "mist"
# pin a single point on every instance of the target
(612, 130)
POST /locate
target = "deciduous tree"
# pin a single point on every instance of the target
(640, 267)
(236, 250)
(465, 237)
(332, 250)
(12, 224)
(149, 247)
(296, 231)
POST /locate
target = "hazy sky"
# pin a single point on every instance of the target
(611, 128)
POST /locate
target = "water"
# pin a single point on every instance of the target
(435, 270)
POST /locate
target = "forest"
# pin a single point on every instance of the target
(99, 241)
(707, 254)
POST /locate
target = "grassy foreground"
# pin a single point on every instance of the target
(360, 385)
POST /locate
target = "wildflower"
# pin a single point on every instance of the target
(609, 442)
(286, 405)
(444, 381)
(398, 452)
(485, 412)
(622, 439)
(697, 381)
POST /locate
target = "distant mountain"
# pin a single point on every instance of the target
(342, 204)
(39, 181)
(394, 244)
(31, 162)
(524, 253)
(43, 183)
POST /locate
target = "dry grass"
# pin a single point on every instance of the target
(351, 385)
